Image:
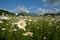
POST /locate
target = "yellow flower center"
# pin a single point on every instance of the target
(21, 23)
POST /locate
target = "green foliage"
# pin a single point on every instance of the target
(43, 28)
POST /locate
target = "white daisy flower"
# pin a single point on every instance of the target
(3, 28)
(44, 37)
(15, 29)
(30, 20)
(4, 17)
(25, 19)
(21, 24)
(16, 14)
(52, 19)
(20, 16)
(0, 21)
(37, 27)
(28, 34)
(13, 23)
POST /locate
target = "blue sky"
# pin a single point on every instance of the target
(11, 4)
(30, 5)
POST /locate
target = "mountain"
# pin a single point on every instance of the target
(10, 13)
(26, 14)
(6, 12)
(23, 13)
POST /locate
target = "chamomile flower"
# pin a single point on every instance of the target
(30, 19)
(25, 19)
(13, 23)
(15, 29)
(0, 21)
(16, 14)
(45, 38)
(21, 24)
(37, 27)
(3, 28)
(52, 19)
(28, 34)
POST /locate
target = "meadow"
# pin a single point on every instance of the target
(40, 28)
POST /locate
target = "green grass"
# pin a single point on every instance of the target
(43, 28)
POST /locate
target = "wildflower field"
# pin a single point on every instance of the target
(31, 28)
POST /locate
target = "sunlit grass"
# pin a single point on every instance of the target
(41, 28)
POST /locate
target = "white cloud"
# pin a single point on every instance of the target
(32, 7)
(21, 9)
(56, 3)
(51, 2)
(44, 1)
(41, 11)
(56, 10)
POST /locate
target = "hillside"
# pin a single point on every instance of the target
(10, 13)
(6, 12)
(52, 14)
